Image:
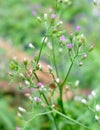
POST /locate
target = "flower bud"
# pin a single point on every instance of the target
(60, 23)
(39, 19)
(21, 109)
(69, 46)
(19, 115)
(97, 117)
(17, 128)
(45, 16)
(78, 28)
(37, 99)
(31, 45)
(53, 16)
(97, 107)
(62, 38)
(27, 82)
(81, 63)
(84, 56)
(77, 83)
(57, 80)
(84, 101)
(95, 2)
(34, 12)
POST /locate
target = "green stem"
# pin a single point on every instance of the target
(61, 100)
(68, 118)
(70, 67)
(36, 76)
(51, 110)
(47, 104)
(43, 42)
(67, 73)
(54, 57)
(41, 50)
(61, 86)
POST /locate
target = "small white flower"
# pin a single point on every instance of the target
(95, 1)
(77, 83)
(60, 23)
(45, 16)
(27, 82)
(31, 45)
(84, 101)
(96, 117)
(21, 109)
(40, 66)
(97, 107)
(81, 63)
(93, 93)
(57, 80)
(82, 36)
(39, 19)
(19, 114)
(60, 50)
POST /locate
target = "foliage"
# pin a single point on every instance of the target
(21, 25)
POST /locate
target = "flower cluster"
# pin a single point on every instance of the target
(48, 92)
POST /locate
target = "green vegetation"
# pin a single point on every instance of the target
(20, 27)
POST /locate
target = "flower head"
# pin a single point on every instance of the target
(96, 117)
(84, 101)
(85, 56)
(62, 38)
(37, 99)
(78, 28)
(69, 45)
(21, 109)
(53, 16)
(34, 12)
(31, 45)
(17, 128)
(97, 107)
(40, 85)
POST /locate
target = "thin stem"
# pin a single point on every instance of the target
(68, 118)
(48, 105)
(36, 76)
(43, 42)
(67, 73)
(61, 100)
(41, 50)
(70, 67)
(51, 110)
(61, 86)
(54, 57)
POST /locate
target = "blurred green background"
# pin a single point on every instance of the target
(19, 27)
